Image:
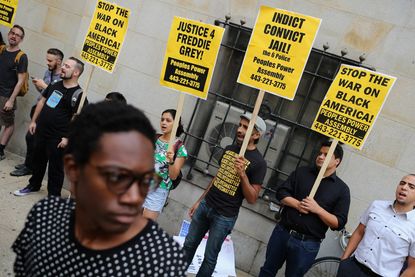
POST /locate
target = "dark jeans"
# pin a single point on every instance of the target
(351, 267)
(45, 149)
(282, 247)
(219, 226)
(30, 142)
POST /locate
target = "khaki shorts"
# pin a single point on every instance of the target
(6, 118)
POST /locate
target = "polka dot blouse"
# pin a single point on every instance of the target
(47, 247)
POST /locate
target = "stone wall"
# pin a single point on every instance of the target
(383, 30)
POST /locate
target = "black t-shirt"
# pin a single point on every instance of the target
(225, 195)
(333, 195)
(47, 246)
(9, 70)
(54, 119)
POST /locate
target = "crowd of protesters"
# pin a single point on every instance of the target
(121, 170)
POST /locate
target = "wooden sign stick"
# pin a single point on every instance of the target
(179, 110)
(323, 168)
(83, 97)
(252, 122)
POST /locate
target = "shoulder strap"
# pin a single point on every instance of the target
(75, 97)
(176, 147)
(2, 48)
(18, 56)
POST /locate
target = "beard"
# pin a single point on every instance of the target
(66, 77)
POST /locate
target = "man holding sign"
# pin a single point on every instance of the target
(304, 221)
(217, 209)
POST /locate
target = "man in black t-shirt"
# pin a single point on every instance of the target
(304, 221)
(12, 76)
(217, 209)
(54, 59)
(109, 162)
(50, 124)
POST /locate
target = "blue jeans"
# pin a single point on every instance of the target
(219, 226)
(298, 254)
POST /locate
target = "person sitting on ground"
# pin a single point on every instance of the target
(168, 164)
(109, 162)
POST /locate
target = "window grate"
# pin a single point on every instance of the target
(290, 142)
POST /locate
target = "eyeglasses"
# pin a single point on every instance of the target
(15, 34)
(119, 180)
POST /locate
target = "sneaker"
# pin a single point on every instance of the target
(2, 156)
(21, 172)
(25, 191)
(20, 166)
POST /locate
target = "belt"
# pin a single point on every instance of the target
(299, 235)
(365, 269)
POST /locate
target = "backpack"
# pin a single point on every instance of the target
(25, 86)
(74, 100)
(75, 97)
(175, 183)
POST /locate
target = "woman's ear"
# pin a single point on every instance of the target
(71, 171)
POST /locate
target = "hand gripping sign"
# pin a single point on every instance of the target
(7, 12)
(105, 35)
(276, 56)
(350, 108)
(190, 58)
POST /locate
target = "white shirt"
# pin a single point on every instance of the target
(389, 238)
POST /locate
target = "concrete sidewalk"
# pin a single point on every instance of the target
(13, 211)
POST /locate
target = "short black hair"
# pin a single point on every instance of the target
(56, 52)
(101, 118)
(116, 96)
(180, 128)
(20, 28)
(79, 65)
(338, 152)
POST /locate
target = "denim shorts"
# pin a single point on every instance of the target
(155, 200)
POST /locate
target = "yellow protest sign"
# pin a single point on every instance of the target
(278, 51)
(352, 104)
(105, 35)
(7, 12)
(191, 53)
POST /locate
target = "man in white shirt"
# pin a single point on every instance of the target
(385, 237)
